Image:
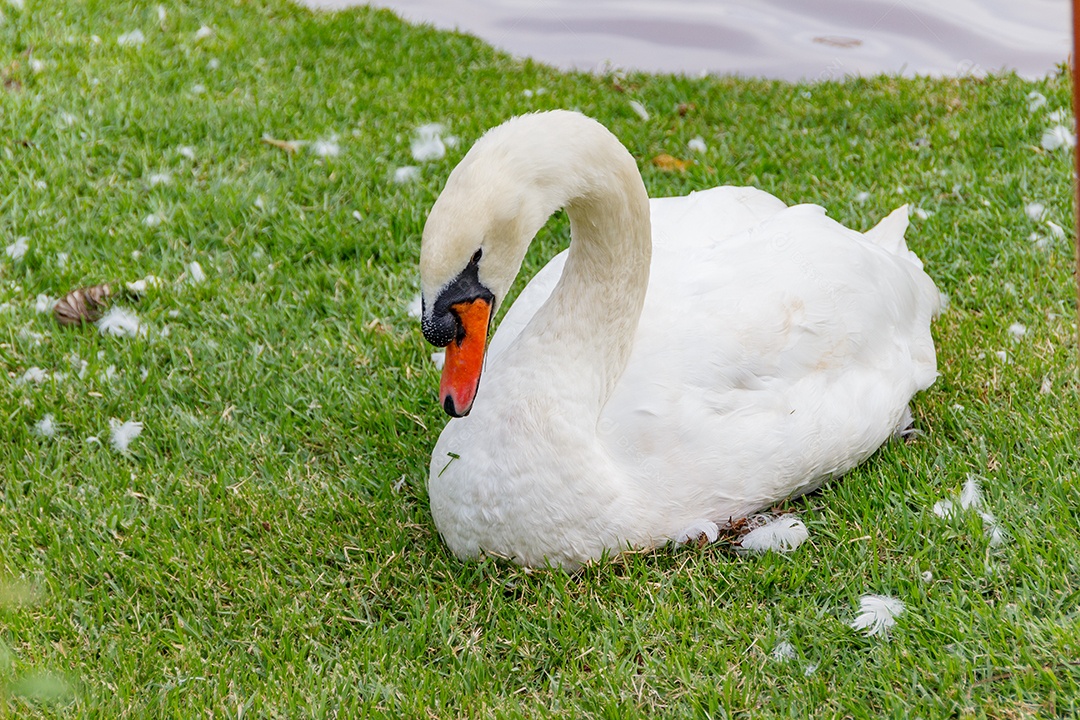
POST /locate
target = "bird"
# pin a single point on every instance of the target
(685, 362)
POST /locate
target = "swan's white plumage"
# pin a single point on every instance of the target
(775, 349)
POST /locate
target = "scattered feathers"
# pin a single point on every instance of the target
(43, 303)
(135, 38)
(639, 109)
(1058, 136)
(17, 250)
(33, 375)
(120, 322)
(1017, 330)
(195, 273)
(783, 651)
(406, 174)
(782, 534)
(45, 427)
(122, 433)
(326, 148)
(971, 494)
(971, 498)
(427, 144)
(877, 613)
(139, 287)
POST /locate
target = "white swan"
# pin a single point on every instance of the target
(627, 400)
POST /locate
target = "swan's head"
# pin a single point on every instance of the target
(494, 202)
(476, 236)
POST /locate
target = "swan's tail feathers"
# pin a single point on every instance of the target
(889, 234)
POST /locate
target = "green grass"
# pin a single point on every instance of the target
(266, 549)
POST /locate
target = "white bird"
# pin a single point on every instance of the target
(660, 374)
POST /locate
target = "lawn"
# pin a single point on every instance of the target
(264, 548)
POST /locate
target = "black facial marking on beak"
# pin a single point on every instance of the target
(441, 326)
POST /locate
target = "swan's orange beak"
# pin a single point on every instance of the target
(465, 358)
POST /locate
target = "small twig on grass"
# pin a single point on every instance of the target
(289, 146)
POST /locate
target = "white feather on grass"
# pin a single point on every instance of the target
(639, 109)
(428, 144)
(1035, 210)
(33, 375)
(45, 427)
(971, 494)
(139, 287)
(438, 359)
(415, 308)
(1035, 100)
(1017, 330)
(135, 38)
(406, 174)
(1057, 137)
(782, 534)
(44, 303)
(122, 433)
(78, 365)
(34, 338)
(944, 508)
(120, 322)
(877, 613)
(783, 651)
(17, 250)
(326, 148)
(195, 273)
(971, 498)
(697, 145)
(203, 32)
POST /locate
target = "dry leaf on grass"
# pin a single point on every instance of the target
(668, 163)
(85, 304)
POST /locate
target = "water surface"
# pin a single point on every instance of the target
(787, 39)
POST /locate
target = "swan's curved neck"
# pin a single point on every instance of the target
(587, 326)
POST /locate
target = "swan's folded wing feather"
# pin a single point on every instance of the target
(770, 361)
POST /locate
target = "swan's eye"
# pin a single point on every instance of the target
(477, 255)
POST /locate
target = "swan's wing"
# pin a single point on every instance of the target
(769, 360)
(677, 221)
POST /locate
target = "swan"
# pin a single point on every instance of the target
(687, 360)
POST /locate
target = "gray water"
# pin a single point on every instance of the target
(787, 39)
